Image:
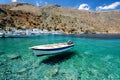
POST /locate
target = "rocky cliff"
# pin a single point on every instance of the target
(55, 17)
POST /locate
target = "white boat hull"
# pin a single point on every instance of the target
(40, 52)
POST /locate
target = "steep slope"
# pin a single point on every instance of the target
(55, 17)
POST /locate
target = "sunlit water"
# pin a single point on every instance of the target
(90, 59)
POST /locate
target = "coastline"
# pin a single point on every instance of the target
(94, 36)
(99, 36)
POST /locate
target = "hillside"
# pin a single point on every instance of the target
(55, 17)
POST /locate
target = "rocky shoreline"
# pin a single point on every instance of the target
(54, 17)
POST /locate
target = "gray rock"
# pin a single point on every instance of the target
(22, 71)
(52, 72)
(14, 56)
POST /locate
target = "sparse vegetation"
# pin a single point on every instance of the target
(52, 17)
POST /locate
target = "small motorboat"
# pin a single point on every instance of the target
(52, 48)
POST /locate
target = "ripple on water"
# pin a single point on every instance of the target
(90, 59)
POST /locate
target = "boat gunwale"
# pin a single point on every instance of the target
(71, 45)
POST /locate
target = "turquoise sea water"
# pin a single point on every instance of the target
(90, 59)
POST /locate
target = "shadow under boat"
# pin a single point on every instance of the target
(58, 58)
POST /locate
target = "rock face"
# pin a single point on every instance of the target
(55, 17)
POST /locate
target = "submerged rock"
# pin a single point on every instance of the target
(1, 63)
(107, 58)
(1, 53)
(53, 72)
(12, 57)
(69, 74)
(22, 71)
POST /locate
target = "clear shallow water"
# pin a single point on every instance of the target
(90, 59)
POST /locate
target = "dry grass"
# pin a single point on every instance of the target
(56, 17)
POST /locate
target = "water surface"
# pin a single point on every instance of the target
(90, 59)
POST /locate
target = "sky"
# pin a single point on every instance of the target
(96, 5)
